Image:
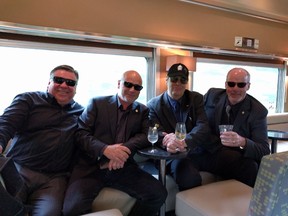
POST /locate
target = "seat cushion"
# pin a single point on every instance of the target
(225, 198)
(110, 212)
(112, 198)
(278, 121)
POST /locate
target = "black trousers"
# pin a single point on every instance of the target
(86, 183)
(226, 162)
(44, 192)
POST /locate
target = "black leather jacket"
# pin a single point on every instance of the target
(42, 131)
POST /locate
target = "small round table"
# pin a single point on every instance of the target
(163, 156)
(276, 135)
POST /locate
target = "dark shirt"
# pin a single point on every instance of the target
(42, 131)
(230, 112)
(122, 117)
(176, 107)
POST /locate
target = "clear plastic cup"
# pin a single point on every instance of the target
(224, 128)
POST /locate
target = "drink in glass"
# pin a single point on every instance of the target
(152, 137)
(180, 131)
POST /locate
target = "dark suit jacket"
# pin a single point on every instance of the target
(97, 126)
(250, 122)
(194, 114)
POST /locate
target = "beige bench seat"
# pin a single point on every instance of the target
(213, 199)
(233, 198)
(110, 212)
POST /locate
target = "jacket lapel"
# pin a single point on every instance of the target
(242, 114)
(134, 113)
(218, 110)
(112, 114)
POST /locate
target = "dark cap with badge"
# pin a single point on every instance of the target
(178, 70)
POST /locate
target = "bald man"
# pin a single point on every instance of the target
(111, 129)
(237, 153)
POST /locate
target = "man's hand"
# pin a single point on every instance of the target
(232, 139)
(113, 165)
(172, 144)
(117, 153)
(1, 149)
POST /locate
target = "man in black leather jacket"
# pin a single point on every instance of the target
(41, 126)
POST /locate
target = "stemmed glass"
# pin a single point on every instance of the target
(153, 137)
(180, 131)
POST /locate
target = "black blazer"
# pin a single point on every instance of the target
(250, 122)
(97, 126)
(194, 115)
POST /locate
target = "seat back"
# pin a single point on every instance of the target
(11, 189)
(270, 193)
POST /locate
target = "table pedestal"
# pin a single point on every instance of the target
(161, 155)
(162, 179)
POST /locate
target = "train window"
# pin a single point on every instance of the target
(266, 84)
(27, 69)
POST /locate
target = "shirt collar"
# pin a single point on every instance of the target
(119, 105)
(172, 101)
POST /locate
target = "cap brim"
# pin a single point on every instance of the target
(178, 75)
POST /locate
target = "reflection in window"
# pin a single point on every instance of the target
(264, 80)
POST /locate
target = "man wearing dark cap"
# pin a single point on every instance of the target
(178, 104)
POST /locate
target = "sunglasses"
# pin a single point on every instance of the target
(176, 79)
(130, 85)
(60, 80)
(239, 85)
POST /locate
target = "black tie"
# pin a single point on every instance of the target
(177, 112)
(228, 108)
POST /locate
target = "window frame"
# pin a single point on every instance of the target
(110, 50)
(281, 65)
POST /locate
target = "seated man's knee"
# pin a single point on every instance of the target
(188, 182)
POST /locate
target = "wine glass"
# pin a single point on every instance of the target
(152, 137)
(180, 131)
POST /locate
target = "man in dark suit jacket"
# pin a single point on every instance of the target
(237, 153)
(190, 110)
(111, 129)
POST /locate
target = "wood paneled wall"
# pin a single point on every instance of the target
(168, 20)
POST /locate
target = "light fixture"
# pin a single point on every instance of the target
(188, 61)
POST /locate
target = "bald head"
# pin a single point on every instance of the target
(240, 73)
(131, 74)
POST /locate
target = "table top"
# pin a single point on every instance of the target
(161, 154)
(275, 134)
